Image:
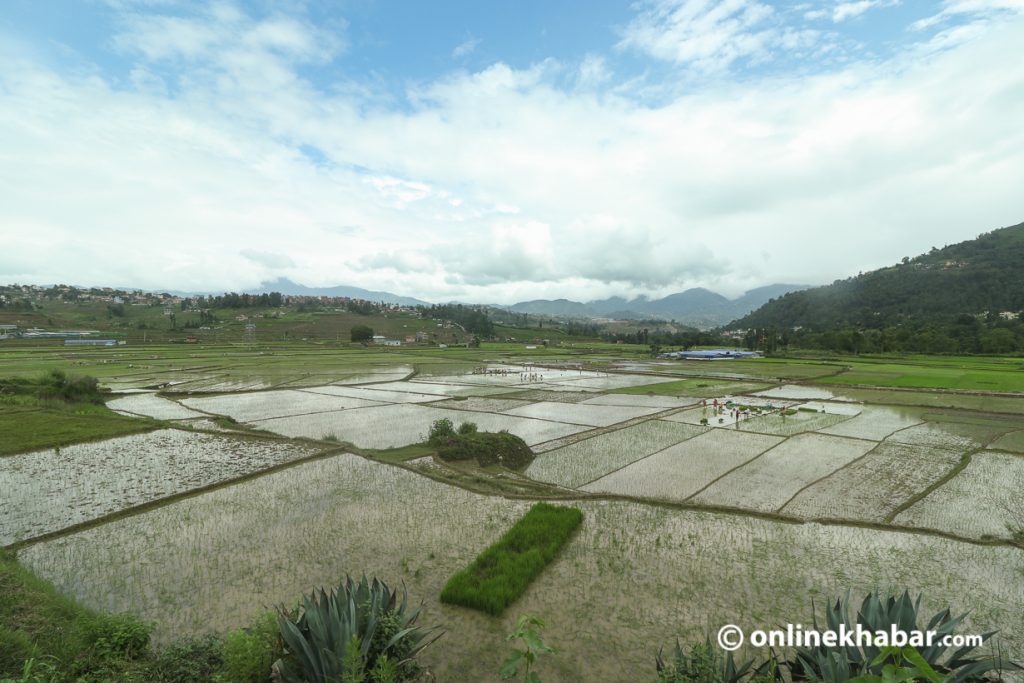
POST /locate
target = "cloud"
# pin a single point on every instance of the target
(983, 9)
(502, 183)
(704, 34)
(849, 10)
(465, 48)
(268, 259)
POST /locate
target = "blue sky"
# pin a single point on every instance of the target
(501, 151)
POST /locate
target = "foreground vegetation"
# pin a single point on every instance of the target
(502, 572)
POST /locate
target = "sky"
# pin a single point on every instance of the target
(500, 152)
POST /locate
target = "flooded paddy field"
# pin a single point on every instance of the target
(985, 499)
(655, 559)
(45, 491)
(214, 561)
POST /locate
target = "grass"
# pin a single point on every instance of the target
(972, 374)
(502, 572)
(45, 424)
(38, 623)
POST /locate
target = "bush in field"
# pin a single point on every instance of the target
(467, 428)
(502, 572)
(186, 661)
(440, 430)
(358, 633)
(487, 448)
(250, 653)
(361, 333)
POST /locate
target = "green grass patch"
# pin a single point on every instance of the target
(502, 572)
(45, 425)
(38, 623)
(957, 373)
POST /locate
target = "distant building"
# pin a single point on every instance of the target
(379, 338)
(392, 342)
(90, 342)
(712, 354)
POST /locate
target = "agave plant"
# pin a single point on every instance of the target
(840, 663)
(357, 632)
(703, 664)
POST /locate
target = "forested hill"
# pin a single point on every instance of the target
(983, 274)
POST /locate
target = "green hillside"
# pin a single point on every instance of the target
(972, 277)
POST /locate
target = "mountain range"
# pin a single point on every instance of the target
(286, 286)
(698, 306)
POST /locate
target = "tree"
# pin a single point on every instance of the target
(362, 333)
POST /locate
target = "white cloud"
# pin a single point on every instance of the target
(500, 184)
(706, 34)
(465, 48)
(986, 9)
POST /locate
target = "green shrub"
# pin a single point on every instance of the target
(502, 572)
(704, 664)
(249, 653)
(343, 634)
(487, 448)
(119, 635)
(467, 428)
(187, 661)
(440, 430)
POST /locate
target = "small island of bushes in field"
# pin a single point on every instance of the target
(487, 448)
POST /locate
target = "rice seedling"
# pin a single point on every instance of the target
(582, 413)
(251, 407)
(502, 572)
(769, 481)
(876, 422)
(407, 424)
(876, 485)
(151, 405)
(585, 461)
(980, 501)
(49, 490)
(679, 471)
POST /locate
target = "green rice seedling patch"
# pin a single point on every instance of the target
(931, 377)
(502, 572)
(679, 471)
(876, 485)
(982, 500)
(582, 462)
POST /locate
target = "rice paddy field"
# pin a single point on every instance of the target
(200, 523)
